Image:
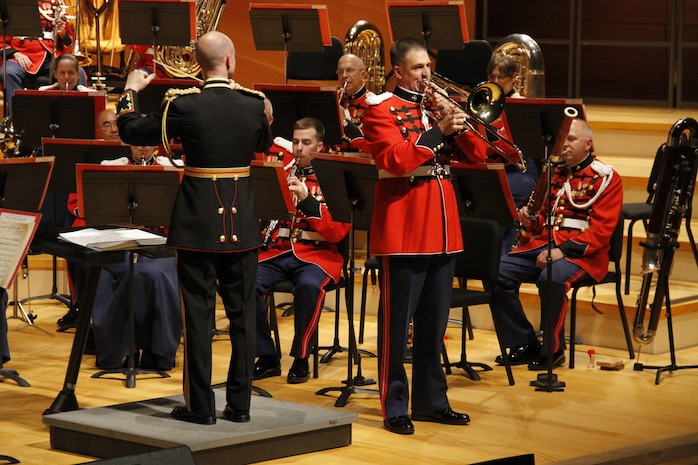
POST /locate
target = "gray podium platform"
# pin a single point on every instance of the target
(277, 429)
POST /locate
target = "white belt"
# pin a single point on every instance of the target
(569, 223)
(285, 233)
(420, 172)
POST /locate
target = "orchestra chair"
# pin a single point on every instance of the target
(321, 66)
(467, 66)
(612, 277)
(640, 211)
(287, 287)
(482, 240)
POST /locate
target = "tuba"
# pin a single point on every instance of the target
(180, 62)
(677, 177)
(526, 53)
(365, 41)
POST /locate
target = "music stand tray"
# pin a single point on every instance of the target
(441, 24)
(162, 22)
(533, 123)
(293, 102)
(294, 28)
(50, 113)
(267, 181)
(483, 192)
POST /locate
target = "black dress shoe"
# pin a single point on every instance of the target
(299, 372)
(541, 362)
(238, 416)
(446, 416)
(521, 355)
(181, 413)
(399, 425)
(70, 319)
(266, 366)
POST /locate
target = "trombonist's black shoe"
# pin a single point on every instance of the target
(299, 372)
(541, 362)
(400, 425)
(520, 355)
(446, 416)
(181, 413)
(70, 319)
(266, 366)
(238, 416)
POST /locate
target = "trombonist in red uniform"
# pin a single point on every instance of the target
(416, 234)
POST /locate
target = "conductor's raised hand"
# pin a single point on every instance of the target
(138, 79)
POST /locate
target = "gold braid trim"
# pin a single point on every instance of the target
(170, 95)
(255, 93)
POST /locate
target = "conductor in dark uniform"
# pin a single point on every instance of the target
(214, 224)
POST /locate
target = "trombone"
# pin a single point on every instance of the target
(484, 104)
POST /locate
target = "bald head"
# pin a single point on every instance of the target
(215, 53)
(351, 73)
(106, 125)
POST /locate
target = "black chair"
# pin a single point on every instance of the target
(467, 66)
(640, 211)
(614, 277)
(321, 65)
(479, 261)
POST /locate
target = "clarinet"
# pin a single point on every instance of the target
(274, 224)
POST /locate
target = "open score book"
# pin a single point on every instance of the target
(113, 238)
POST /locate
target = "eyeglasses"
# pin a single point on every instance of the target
(109, 124)
(348, 71)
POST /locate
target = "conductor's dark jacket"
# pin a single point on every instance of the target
(212, 212)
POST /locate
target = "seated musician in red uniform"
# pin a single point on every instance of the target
(29, 57)
(585, 202)
(303, 250)
(351, 73)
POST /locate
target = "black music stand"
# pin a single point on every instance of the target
(23, 184)
(19, 179)
(293, 102)
(19, 18)
(441, 26)
(348, 185)
(533, 124)
(135, 195)
(293, 28)
(157, 23)
(483, 192)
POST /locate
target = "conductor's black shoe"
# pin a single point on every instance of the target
(400, 425)
(266, 366)
(238, 416)
(181, 413)
(446, 416)
(70, 319)
(299, 372)
(541, 362)
(521, 355)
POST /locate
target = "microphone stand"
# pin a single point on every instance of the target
(548, 381)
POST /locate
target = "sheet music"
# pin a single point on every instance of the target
(113, 239)
(17, 230)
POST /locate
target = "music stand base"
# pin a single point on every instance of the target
(64, 299)
(469, 369)
(14, 376)
(63, 403)
(548, 382)
(131, 374)
(345, 392)
(257, 390)
(665, 369)
(19, 308)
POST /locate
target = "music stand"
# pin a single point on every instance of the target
(291, 28)
(142, 195)
(293, 102)
(348, 184)
(23, 183)
(50, 113)
(533, 124)
(19, 19)
(163, 22)
(483, 192)
(267, 179)
(440, 24)
(150, 98)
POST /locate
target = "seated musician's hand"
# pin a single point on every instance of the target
(298, 188)
(22, 60)
(138, 79)
(524, 218)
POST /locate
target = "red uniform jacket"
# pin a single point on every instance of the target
(590, 194)
(354, 107)
(312, 215)
(38, 48)
(413, 215)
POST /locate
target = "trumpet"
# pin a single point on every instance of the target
(484, 104)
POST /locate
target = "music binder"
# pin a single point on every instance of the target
(18, 229)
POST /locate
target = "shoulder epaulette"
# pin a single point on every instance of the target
(255, 93)
(172, 94)
(374, 99)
